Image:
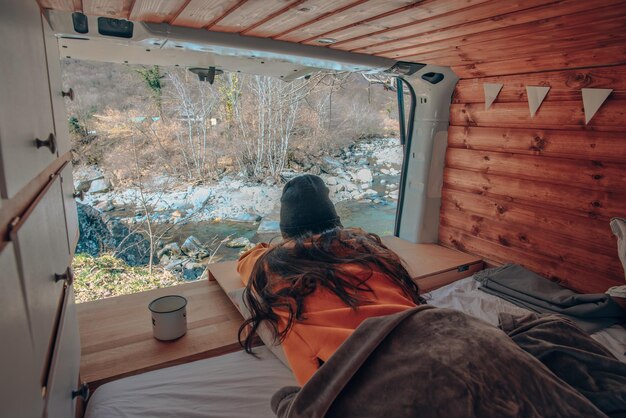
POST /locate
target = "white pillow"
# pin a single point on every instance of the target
(263, 331)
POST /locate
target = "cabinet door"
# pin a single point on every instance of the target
(20, 392)
(65, 363)
(42, 252)
(71, 215)
(25, 110)
(59, 111)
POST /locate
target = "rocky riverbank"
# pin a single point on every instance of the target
(223, 218)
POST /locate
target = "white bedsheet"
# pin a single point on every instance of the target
(235, 385)
(238, 385)
(464, 295)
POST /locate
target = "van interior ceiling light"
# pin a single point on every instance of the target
(206, 74)
(115, 27)
(81, 24)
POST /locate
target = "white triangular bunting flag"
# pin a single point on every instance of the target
(536, 94)
(491, 92)
(593, 100)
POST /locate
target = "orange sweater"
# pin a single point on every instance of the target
(329, 322)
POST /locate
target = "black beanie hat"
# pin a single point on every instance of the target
(306, 207)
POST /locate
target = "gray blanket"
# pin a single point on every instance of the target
(430, 362)
(573, 356)
(591, 312)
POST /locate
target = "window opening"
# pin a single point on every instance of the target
(178, 173)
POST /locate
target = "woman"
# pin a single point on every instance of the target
(322, 281)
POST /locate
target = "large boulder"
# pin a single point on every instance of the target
(238, 242)
(100, 185)
(330, 165)
(364, 175)
(194, 248)
(100, 233)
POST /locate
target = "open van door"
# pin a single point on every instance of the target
(424, 136)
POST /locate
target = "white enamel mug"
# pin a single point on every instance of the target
(169, 317)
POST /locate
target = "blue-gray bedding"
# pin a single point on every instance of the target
(522, 287)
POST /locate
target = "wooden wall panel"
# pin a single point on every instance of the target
(419, 13)
(600, 57)
(156, 11)
(119, 9)
(65, 5)
(580, 144)
(199, 13)
(247, 13)
(594, 175)
(451, 27)
(539, 191)
(589, 229)
(296, 16)
(582, 280)
(537, 34)
(530, 238)
(603, 204)
(551, 115)
(345, 16)
(564, 85)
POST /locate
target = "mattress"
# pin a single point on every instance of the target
(236, 385)
(239, 385)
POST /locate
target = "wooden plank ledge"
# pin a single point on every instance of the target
(430, 265)
(116, 333)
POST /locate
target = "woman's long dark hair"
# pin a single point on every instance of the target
(285, 275)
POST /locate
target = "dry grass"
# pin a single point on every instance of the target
(107, 276)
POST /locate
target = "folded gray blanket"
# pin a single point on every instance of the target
(430, 362)
(591, 312)
(573, 356)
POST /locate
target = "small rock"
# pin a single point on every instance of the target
(351, 187)
(175, 265)
(315, 170)
(100, 186)
(238, 242)
(268, 226)
(288, 175)
(193, 273)
(106, 206)
(193, 248)
(364, 175)
(332, 181)
(244, 217)
(330, 165)
(171, 249)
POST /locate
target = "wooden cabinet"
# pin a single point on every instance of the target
(20, 393)
(71, 214)
(25, 109)
(42, 254)
(64, 371)
(61, 127)
(40, 347)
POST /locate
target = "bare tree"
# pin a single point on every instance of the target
(194, 105)
(265, 123)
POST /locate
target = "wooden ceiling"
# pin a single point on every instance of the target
(474, 37)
